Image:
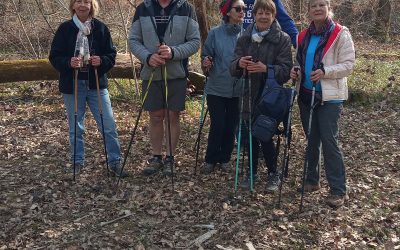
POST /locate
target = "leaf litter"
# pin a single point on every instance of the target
(41, 207)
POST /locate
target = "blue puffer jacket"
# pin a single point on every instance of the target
(220, 45)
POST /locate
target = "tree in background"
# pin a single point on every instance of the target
(202, 18)
(383, 18)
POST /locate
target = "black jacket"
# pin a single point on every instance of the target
(274, 49)
(63, 48)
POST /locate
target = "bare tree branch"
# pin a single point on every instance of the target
(44, 17)
(62, 3)
(23, 28)
(126, 44)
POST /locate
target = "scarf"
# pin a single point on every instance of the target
(324, 32)
(257, 36)
(82, 43)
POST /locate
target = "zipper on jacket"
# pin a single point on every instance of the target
(171, 26)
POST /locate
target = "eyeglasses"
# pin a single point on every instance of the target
(80, 2)
(239, 8)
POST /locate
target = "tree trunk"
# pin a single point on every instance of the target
(297, 10)
(41, 69)
(201, 12)
(383, 16)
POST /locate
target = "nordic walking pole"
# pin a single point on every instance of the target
(244, 156)
(250, 137)
(75, 115)
(198, 140)
(308, 144)
(202, 119)
(239, 137)
(101, 118)
(285, 160)
(136, 125)
(164, 74)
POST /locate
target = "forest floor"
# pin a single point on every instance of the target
(42, 208)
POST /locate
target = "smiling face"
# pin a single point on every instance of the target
(264, 12)
(318, 10)
(264, 19)
(236, 13)
(82, 9)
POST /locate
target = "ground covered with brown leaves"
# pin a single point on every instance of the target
(41, 207)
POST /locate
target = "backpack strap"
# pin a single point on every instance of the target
(270, 72)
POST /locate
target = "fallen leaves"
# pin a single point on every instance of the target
(40, 207)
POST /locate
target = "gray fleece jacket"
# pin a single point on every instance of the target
(182, 35)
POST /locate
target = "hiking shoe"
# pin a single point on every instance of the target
(208, 168)
(309, 188)
(154, 165)
(225, 166)
(78, 168)
(169, 163)
(115, 170)
(273, 182)
(246, 182)
(335, 200)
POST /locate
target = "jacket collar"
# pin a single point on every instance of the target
(332, 38)
(149, 3)
(71, 22)
(273, 36)
(232, 29)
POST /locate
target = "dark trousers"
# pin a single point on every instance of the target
(224, 116)
(267, 148)
(325, 132)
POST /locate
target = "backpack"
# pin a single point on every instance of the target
(272, 108)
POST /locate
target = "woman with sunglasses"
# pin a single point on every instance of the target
(221, 88)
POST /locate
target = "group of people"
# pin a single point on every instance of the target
(165, 33)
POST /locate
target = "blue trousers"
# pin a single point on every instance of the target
(89, 97)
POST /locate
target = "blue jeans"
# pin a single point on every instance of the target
(89, 96)
(325, 133)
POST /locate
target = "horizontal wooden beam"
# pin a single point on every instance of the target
(41, 69)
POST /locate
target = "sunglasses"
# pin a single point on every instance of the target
(239, 8)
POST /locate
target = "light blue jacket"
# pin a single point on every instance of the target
(220, 45)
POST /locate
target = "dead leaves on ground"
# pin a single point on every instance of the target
(40, 207)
